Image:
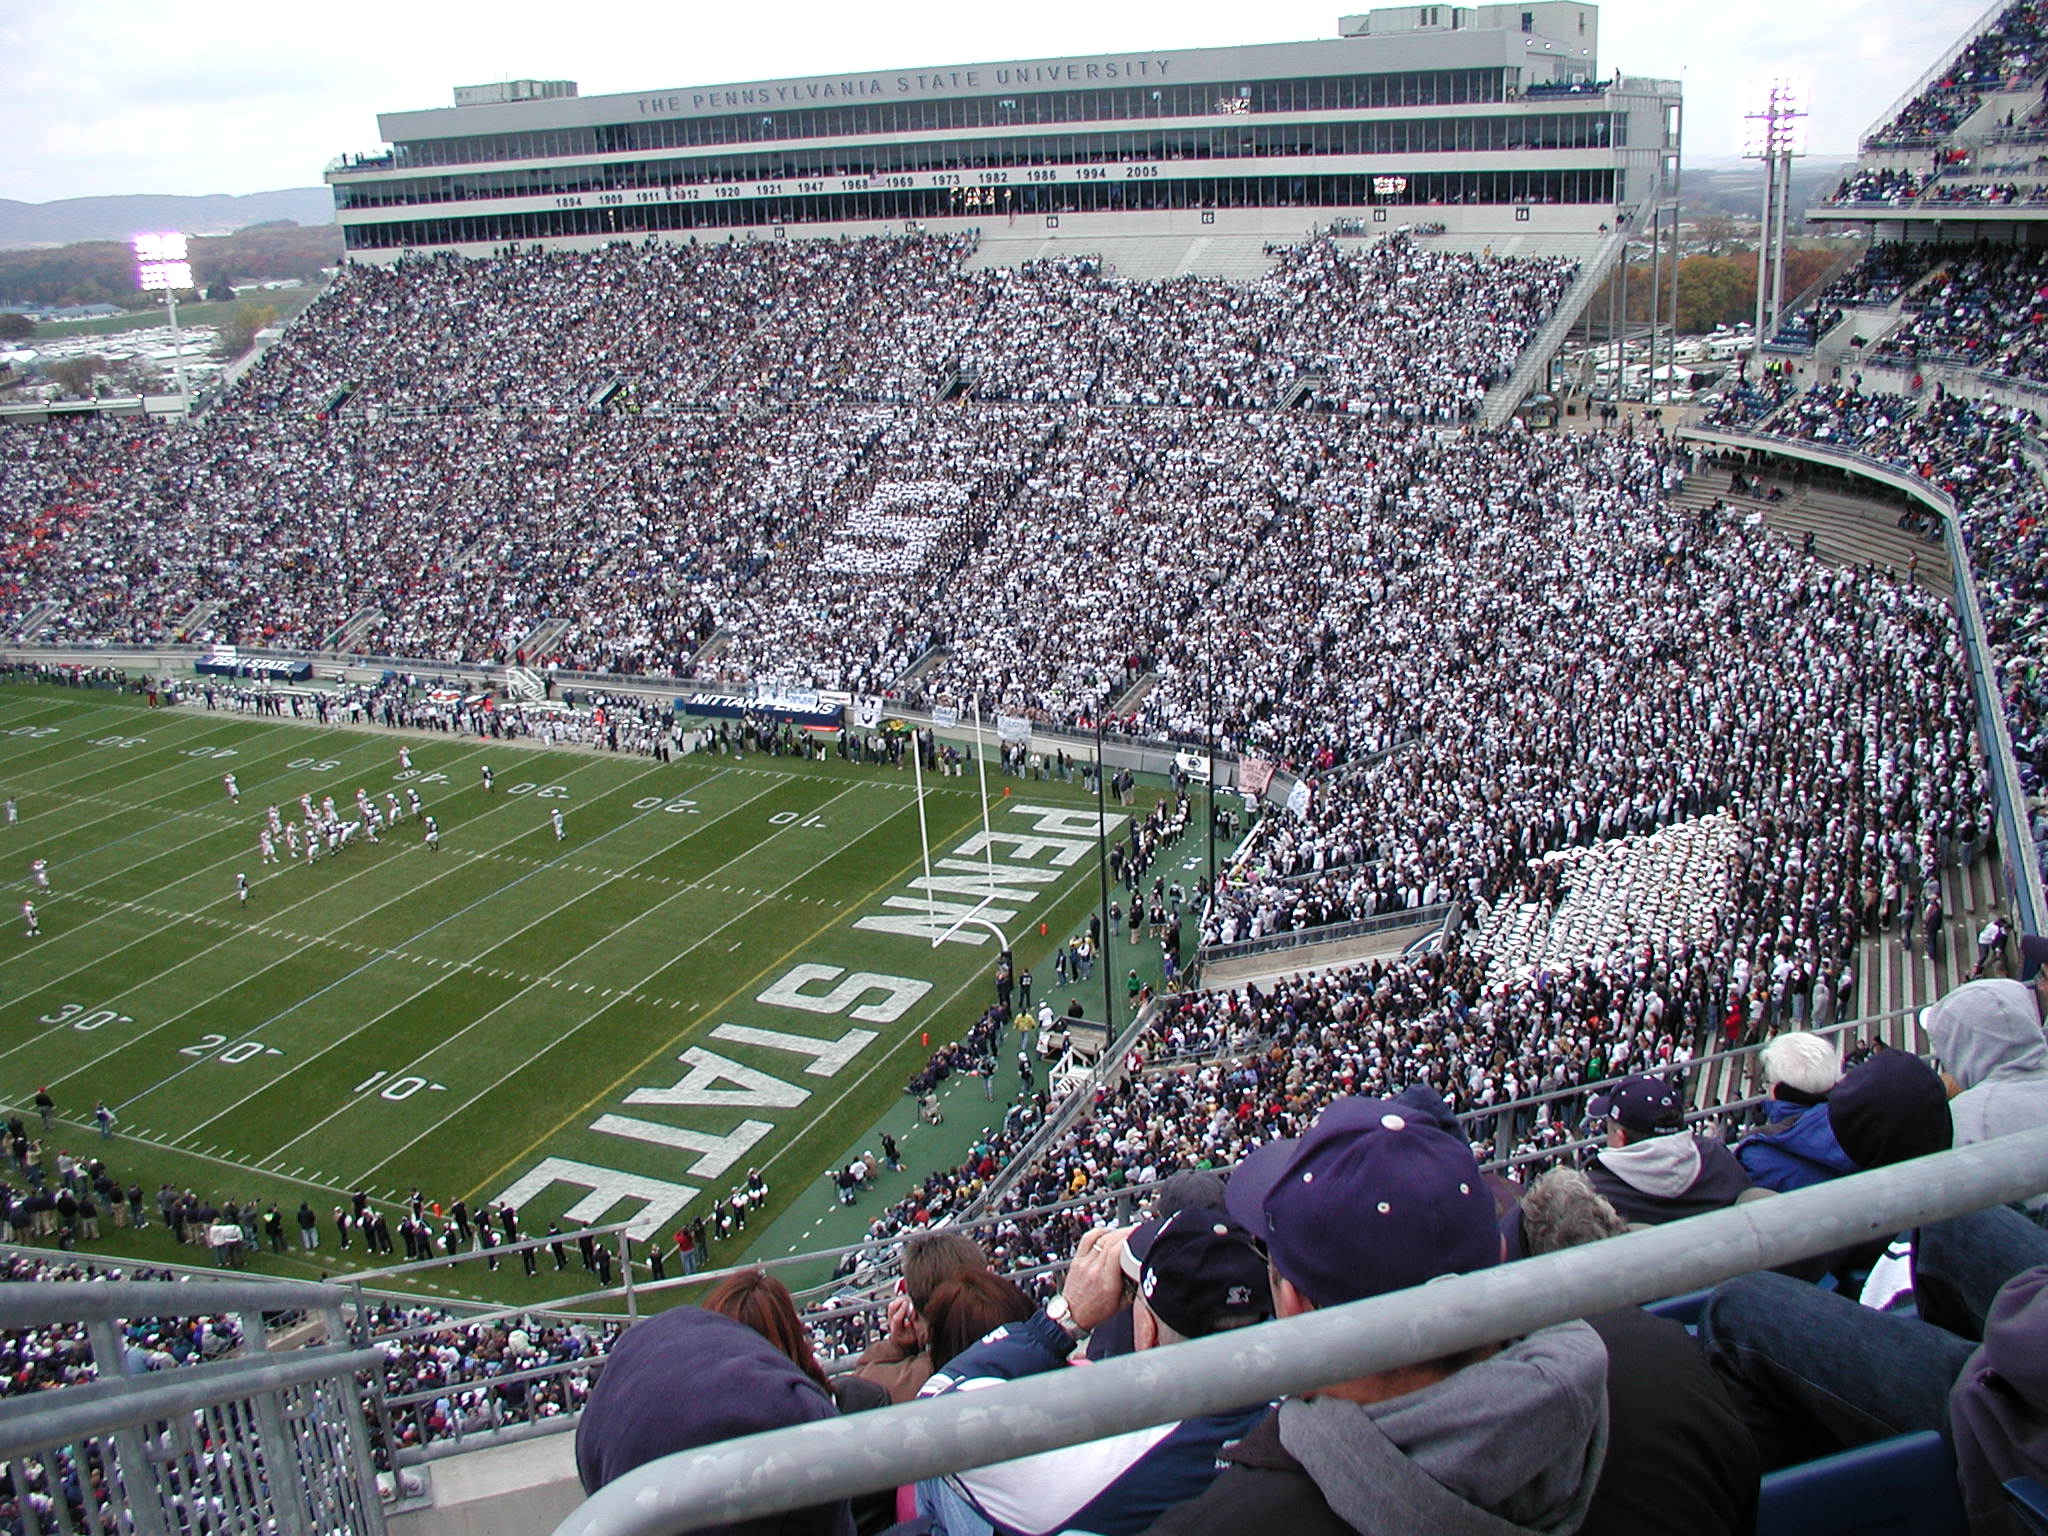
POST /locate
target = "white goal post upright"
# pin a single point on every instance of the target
(987, 848)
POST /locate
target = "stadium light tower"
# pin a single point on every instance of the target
(161, 265)
(1773, 130)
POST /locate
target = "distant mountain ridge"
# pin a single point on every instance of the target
(70, 219)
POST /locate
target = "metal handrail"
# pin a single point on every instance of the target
(814, 1463)
(1295, 938)
(51, 1301)
(165, 1395)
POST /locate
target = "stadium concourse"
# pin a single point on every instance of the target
(1673, 773)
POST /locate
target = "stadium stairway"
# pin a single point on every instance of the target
(1596, 256)
(541, 641)
(1892, 976)
(1847, 529)
(36, 620)
(191, 625)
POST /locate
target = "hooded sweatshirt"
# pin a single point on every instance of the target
(1999, 1405)
(1665, 1177)
(1511, 1444)
(1988, 1035)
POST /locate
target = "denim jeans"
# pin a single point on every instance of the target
(1812, 1372)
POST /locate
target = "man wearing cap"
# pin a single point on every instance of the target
(1377, 1197)
(1652, 1170)
(1195, 1273)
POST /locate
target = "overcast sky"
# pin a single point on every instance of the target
(109, 96)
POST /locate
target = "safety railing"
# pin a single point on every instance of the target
(1294, 938)
(788, 1469)
(269, 1443)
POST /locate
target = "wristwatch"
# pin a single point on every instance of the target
(1062, 1316)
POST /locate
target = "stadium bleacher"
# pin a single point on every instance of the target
(1675, 779)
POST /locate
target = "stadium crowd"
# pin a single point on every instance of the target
(1511, 674)
(2007, 55)
(1375, 1190)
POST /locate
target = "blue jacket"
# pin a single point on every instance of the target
(1796, 1149)
(1113, 1487)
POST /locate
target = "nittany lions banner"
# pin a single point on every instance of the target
(1297, 797)
(1013, 729)
(945, 716)
(867, 711)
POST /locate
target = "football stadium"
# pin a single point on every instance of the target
(816, 747)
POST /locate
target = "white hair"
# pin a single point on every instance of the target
(1803, 1061)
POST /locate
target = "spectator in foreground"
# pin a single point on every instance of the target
(1195, 1273)
(687, 1378)
(1679, 1459)
(763, 1303)
(1797, 1145)
(1987, 1036)
(1377, 1197)
(967, 1308)
(901, 1363)
(1652, 1169)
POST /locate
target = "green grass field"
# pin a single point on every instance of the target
(722, 964)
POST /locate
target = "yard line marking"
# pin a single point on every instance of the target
(217, 867)
(366, 965)
(666, 961)
(660, 852)
(754, 981)
(282, 959)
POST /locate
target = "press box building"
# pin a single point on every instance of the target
(1492, 117)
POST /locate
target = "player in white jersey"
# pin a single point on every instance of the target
(557, 814)
(242, 888)
(412, 798)
(234, 789)
(397, 811)
(41, 870)
(291, 837)
(268, 844)
(371, 822)
(28, 913)
(433, 834)
(13, 811)
(405, 759)
(276, 821)
(306, 805)
(327, 807)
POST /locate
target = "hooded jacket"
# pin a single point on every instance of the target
(1665, 1177)
(1988, 1035)
(1511, 1445)
(685, 1378)
(1999, 1405)
(1796, 1149)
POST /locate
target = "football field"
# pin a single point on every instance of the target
(718, 964)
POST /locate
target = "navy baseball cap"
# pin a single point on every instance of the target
(1377, 1197)
(1199, 1272)
(1641, 1104)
